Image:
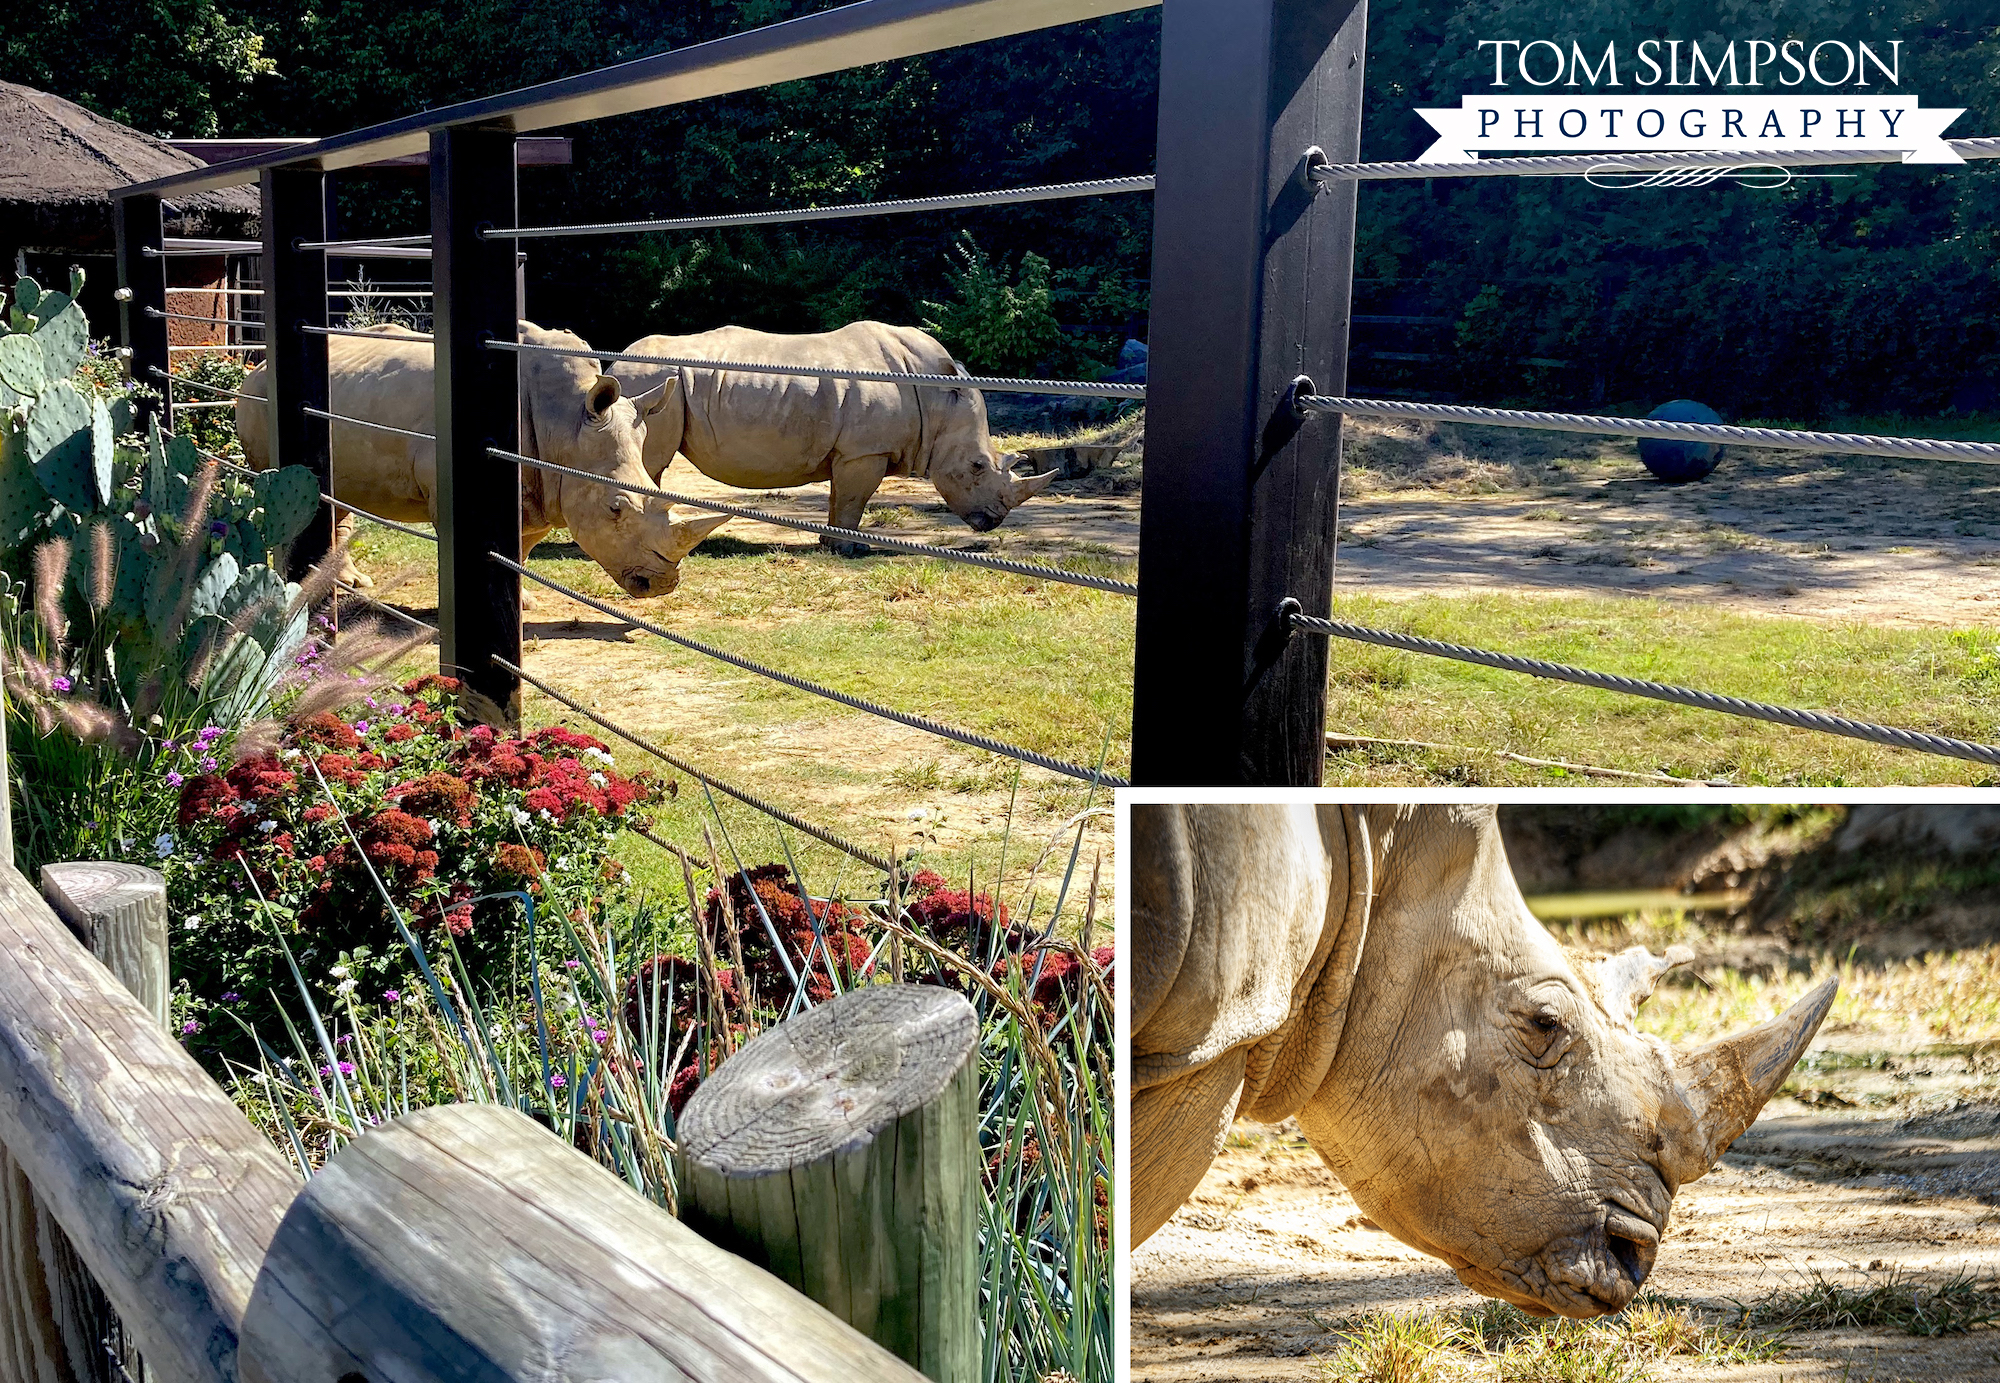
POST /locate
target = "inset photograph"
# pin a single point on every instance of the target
(1604, 1090)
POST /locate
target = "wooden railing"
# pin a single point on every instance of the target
(461, 1242)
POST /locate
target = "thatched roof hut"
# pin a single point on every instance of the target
(59, 163)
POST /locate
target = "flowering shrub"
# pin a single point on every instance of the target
(445, 817)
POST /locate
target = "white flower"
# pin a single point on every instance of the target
(598, 780)
(340, 972)
(599, 756)
(124, 843)
(192, 922)
(494, 1030)
(267, 826)
(521, 818)
(544, 814)
(163, 844)
(919, 814)
(290, 754)
(432, 823)
(346, 987)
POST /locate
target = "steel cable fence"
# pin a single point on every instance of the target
(776, 813)
(916, 722)
(876, 538)
(1895, 738)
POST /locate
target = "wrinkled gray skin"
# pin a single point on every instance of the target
(1482, 1094)
(571, 414)
(762, 431)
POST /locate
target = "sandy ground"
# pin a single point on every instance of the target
(1245, 1280)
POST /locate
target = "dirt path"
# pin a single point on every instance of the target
(1245, 1280)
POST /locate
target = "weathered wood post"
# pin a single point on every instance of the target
(465, 1242)
(840, 1150)
(142, 284)
(165, 1191)
(53, 1315)
(294, 209)
(1252, 272)
(474, 299)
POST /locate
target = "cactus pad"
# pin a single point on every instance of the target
(135, 565)
(101, 435)
(290, 498)
(22, 366)
(22, 498)
(63, 336)
(59, 445)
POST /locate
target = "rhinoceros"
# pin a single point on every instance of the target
(762, 431)
(1373, 971)
(571, 414)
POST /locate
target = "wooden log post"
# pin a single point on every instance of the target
(840, 1151)
(167, 1193)
(119, 912)
(54, 1317)
(465, 1242)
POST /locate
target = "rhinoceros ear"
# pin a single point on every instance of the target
(1626, 980)
(603, 394)
(655, 398)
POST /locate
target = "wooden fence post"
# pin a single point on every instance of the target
(142, 283)
(294, 202)
(474, 299)
(119, 912)
(840, 1151)
(465, 1242)
(1252, 271)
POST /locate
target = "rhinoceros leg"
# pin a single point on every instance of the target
(343, 538)
(855, 480)
(1177, 1129)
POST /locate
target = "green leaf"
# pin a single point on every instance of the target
(63, 337)
(22, 367)
(59, 445)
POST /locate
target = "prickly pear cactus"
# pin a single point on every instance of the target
(289, 498)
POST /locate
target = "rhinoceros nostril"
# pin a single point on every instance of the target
(1633, 1243)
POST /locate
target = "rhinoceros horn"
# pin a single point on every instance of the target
(1025, 488)
(1725, 1083)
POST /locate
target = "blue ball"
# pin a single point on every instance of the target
(1681, 461)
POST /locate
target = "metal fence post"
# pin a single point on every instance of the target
(1252, 272)
(295, 298)
(478, 497)
(142, 283)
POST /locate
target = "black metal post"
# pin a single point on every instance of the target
(478, 498)
(295, 298)
(142, 283)
(1252, 275)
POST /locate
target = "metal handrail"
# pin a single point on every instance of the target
(832, 40)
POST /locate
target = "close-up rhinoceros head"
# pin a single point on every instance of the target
(1491, 1102)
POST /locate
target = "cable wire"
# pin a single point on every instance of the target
(1571, 165)
(977, 559)
(387, 609)
(915, 722)
(1842, 443)
(186, 383)
(377, 518)
(1074, 388)
(191, 317)
(309, 410)
(776, 813)
(1657, 691)
(379, 242)
(1046, 192)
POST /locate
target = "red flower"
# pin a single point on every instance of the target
(521, 861)
(326, 728)
(436, 795)
(392, 838)
(316, 814)
(202, 796)
(432, 682)
(397, 734)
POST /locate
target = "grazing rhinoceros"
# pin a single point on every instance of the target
(765, 432)
(1373, 971)
(571, 415)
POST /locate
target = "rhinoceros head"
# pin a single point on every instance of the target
(578, 417)
(1490, 1101)
(971, 475)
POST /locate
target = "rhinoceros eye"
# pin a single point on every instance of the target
(1543, 1035)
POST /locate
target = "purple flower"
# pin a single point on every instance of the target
(599, 1036)
(572, 965)
(209, 735)
(369, 701)
(174, 780)
(62, 684)
(218, 528)
(556, 1082)
(190, 1028)
(169, 745)
(360, 727)
(343, 1039)
(232, 997)
(392, 996)
(207, 765)
(326, 1070)
(346, 1068)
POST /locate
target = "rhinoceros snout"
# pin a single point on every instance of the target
(1633, 1244)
